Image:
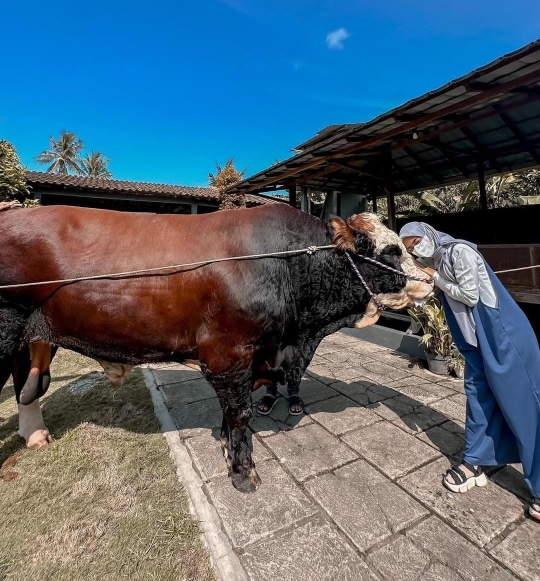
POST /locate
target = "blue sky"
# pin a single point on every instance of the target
(166, 89)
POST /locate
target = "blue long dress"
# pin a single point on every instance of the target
(502, 384)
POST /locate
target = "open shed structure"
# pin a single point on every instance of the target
(483, 124)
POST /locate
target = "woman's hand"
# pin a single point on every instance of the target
(429, 271)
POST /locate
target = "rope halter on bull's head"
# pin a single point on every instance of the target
(346, 237)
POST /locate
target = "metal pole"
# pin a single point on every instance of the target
(389, 189)
(482, 184)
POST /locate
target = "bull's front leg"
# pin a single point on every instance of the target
(230, 375)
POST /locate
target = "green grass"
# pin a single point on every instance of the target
(103, 501)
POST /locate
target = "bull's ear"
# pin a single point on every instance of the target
(343, 235)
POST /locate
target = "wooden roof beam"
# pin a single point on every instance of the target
(519, 136)
(476, 86)
(482, 151)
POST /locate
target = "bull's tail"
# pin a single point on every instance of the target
(12, 324)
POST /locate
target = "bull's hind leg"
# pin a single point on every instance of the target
(228, 370)
(31, 425)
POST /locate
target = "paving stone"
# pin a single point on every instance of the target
(344, 373)
(313, 552)
(395, 359)
(347, 357)
(311, 390)
(175, 373)
(341, 414)
(197, 418)
(447, 443)
(481, 514)
(453, 409)
(519, 551)
(455, 385)
(278, 503)
(421, 419)
(366, 347)
(422, 391)
(365, 392)
(392, 450)
(205, 449)
(391, 409)
(511, 477)
(380, 372)
(309, 450)
(176, 394)
(400, 560)
(455, 427)
(364, 504)
(322, 373)
(326, 348)
(279, 419)
(453, 551)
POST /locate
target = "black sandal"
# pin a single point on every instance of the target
(267, 402)
(462, 482)
(296, 401)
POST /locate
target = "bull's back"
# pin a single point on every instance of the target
(166, 311)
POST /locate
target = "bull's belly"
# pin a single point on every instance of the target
(121, 331)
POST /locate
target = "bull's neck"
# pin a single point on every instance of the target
(329, 294)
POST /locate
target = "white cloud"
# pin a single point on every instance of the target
(335, 38)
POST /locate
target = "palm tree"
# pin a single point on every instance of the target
(63, 155)
(224, 178)
(94, 165)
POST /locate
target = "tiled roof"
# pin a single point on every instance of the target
(79, 183)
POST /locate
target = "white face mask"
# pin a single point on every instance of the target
(424, 249)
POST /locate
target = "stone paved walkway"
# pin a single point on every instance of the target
(352, 489)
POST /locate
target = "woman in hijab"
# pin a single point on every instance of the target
(502, 372)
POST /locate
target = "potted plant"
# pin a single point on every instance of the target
(437, 337)
(456, 365)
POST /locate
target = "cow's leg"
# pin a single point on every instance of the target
(31, 425)
(38, 374)
(228, 370)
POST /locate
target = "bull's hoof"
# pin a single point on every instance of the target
(248, 483)
(39, 439)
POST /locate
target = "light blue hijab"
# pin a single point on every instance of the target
(441, 261)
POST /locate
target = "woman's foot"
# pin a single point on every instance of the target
(534, 509)
(463, 478)
(296, 405)
(265, 405)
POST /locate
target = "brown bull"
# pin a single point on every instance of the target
(248, 322)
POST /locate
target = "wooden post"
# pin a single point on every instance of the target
(374, 203)
(292, 196)
(482, 184)
(306, 202)
(389, 189)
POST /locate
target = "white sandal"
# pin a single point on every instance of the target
(532, 511)
(463, 483)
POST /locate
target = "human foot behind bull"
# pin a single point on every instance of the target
(502, 372)
(268, 401)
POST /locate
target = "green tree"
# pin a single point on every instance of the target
(63, 154)
(12, 179)
(94, 165)
(224, 178)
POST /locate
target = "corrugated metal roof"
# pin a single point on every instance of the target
(491, 114)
